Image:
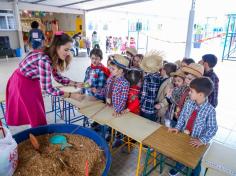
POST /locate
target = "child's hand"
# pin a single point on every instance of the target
(169, 92)
(125, 111)
(94, 90)
(158, 106)
(195, 142)
(116, 114)
(79, 85)
(173, 130)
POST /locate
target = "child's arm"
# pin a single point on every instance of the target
(121, 97)
(183, 116)
(211, 128)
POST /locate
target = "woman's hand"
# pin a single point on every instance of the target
(79, 85)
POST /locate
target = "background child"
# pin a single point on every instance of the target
(137, 60)
(133, 104)
(36, 36)
(209, 61)
(167, 84)
(186, 61)
(198, 118)
(88, 45)
(151, 65)
(130, 53)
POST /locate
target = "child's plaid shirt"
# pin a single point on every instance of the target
(205, 125)
(98, 80)
(151, 85)
(120, 91)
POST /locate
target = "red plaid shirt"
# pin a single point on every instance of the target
(120, 91)
(37, 65)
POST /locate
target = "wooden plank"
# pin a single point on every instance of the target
(134, 126)
(99, 112)
(175, 146)
(86, 102)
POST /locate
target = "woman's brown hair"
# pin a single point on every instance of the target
(51, 51)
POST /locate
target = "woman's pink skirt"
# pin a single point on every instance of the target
(24, 101)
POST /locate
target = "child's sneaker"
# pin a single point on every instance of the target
(173, 172)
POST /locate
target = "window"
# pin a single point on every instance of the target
(7, 20)
(3, 22)
(11, 22)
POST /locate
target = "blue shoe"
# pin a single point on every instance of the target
(173, 172)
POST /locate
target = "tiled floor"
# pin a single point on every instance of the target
(125, 164)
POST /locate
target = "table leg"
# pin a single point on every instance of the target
(128, 145)
(112, 138)
(161, 163)
(139, 158)
(189, 171)
(155, 156)
(205, 171)
(146, 161)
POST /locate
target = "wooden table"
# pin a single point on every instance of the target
(135, 127)
(175, 147)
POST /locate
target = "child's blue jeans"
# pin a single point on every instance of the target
(195, 172)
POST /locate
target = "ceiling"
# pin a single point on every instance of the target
(87, 5)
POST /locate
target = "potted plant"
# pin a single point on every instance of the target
(198, 29)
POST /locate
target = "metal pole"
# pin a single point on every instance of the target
(190, 30)
(18, 25)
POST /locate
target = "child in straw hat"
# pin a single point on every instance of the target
(117, 88)
(151, 65)
(191, 71)
(178, 82)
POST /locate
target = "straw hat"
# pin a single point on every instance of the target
(132, 51)
(194, 69)
(178, 63)
(179, 73)
(152, 62)
(120, 61)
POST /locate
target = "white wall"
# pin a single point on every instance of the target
(13, 37)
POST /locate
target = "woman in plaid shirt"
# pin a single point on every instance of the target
(24, 101)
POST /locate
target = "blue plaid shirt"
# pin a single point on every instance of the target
(151, 85)
(205, 125)
(213, 97)
(98, 79)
